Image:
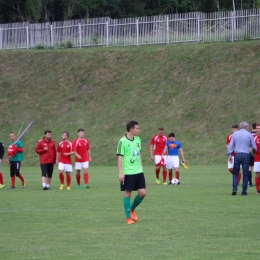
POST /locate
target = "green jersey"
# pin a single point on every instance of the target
(130, 152)
(19, 156)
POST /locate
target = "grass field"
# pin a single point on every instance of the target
(195, 90)
(199, 219)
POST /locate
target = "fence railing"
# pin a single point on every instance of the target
(164, 29)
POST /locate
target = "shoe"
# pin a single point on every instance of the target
(23, 184)
(87, 186)
(184, 165)
(48, 188)
(165, 183)
(61, 186)
(68, 188)
(170, 183)
(129, 221)
(250, 185)
(244, 193)
(158, 181)
(45, 188)
(79, 187)
(2, 186)
(234, 193)
(133, 216)
(12, 187)
(258, 192)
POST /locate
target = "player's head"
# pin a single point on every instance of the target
(244, 125)
(257, 128)
(47, 135)
(12, 136)
(234, 128)
(65, 135)
(160, 131)
(253, 126)
(171, 136)
(81, 133)
(132, 126)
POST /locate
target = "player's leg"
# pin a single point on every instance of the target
(1, 178)
(251, 164)
(127, 187)
(12, 174)
(236, 168)
(68, 170)
(86, 174)
(19, 175)
(61, 174)
(50, 167)
(44, 176)
(78, 167)
(141, 188)
(257, 176)
(176, 164)
(157, 160)
(169, 165)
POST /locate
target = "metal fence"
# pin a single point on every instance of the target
(163, 29)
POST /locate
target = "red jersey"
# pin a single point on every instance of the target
(64, 147)
(48, 156)
(158, 143)
(257, 142)
(228, 141)
(81, 147)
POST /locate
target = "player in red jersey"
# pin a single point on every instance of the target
(81, 147)
(157, 145)
(231, 165)
(63, 159)
(257, 159)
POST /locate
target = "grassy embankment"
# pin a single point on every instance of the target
(196, 90)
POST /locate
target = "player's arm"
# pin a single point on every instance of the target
(19, 146)
(89, 155)
(141, 161)
(39, 148)
(182, 155)
(151, 152)
(164, 150)
(120, 168)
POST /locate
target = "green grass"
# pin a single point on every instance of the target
(198, 219)
(195, 90)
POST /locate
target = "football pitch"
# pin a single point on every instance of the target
(199, 219)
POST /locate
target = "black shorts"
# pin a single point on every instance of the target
(133, 182)
(47, 170)
(251, 162)
(15, 168)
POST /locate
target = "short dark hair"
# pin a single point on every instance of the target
(131, 124)
(47, 131)
(67, 134)
(81, 130)
(254, 125)
(171, 135)
(234, 126)
(160, 128)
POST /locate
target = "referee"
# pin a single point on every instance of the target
(241, 143)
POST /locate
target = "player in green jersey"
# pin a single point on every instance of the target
(130, 169)
(15, 153)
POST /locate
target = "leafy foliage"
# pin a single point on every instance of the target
(57, 10)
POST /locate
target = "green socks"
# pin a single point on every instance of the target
(136, 202)
(127, 207)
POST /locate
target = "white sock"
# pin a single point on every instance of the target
(43, 184)
(47, 185)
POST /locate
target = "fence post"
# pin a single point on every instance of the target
(198, 29)
(80, 36)
(107, 33)
(167, 30)
(1, 42)
(137, 33)
(27, 37)
(52, 40)
(232, 26)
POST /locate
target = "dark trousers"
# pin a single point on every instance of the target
(244, 159)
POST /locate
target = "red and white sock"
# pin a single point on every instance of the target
(257, 184)
(157, 172)
(1, 179)
(68, 179)
(177, 175)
